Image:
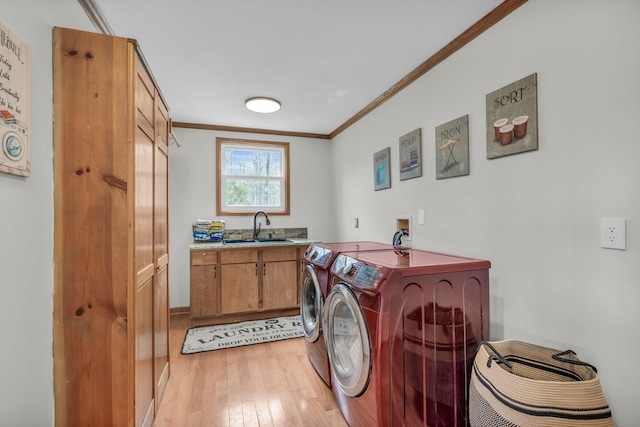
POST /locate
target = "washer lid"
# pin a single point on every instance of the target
(348, 342)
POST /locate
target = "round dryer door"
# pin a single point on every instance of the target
(347, 339)
(311, 302)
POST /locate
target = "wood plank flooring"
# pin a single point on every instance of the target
(270, 384)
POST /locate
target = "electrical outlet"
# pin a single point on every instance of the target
(613, 233)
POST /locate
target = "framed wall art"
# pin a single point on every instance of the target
(14, 104)
(452, 148)
(512, 118)
(381, 169)
(411, 155)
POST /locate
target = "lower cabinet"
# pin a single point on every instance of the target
(280, 278)
(230, 285)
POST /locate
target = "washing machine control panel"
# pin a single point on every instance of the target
(319, 256)
(366, 275)
(355, 272)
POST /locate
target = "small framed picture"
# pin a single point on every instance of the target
(452, 148)
(411, 155)
(512, 118)
(381, 172)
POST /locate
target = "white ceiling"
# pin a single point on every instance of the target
(324, 60)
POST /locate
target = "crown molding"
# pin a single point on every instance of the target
(96, 16)
(248, 130)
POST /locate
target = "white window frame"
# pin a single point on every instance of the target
(221, 176)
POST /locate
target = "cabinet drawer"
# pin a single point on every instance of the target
(204, 257)
(288, 253)
(238, 256)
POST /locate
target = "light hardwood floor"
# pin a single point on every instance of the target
(270, 384)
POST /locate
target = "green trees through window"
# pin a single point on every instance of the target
(252, 175)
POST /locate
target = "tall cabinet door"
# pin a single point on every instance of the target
(143, 253)
(161, 250)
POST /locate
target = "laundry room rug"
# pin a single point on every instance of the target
(208, 338)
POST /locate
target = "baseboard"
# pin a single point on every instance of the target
(179, 310)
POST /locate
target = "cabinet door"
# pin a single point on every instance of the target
(204, 290)
(280, 285)
(145, 265)
(161, 250)
(239, 288)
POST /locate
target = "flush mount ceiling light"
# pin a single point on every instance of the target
(260, 104)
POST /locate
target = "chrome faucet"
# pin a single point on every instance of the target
(256, 230)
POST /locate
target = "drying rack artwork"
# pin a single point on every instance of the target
(381, 172)
(14, 104)
(411, 155)
(452, 148)
(512, 118)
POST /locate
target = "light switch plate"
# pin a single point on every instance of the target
(613, 233)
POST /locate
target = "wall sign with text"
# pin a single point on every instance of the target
(512, 118)
(411, 155)
(14, 104)
(452, 148)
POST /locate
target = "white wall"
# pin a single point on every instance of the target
(535, 216)
(192, 195)
(26, 229)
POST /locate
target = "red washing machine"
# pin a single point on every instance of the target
(401, 329)
(315, 278)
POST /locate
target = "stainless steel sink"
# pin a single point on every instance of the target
(251, 241)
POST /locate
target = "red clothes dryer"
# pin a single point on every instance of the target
(401, 329)
(315, 277)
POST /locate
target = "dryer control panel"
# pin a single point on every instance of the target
(357, 273)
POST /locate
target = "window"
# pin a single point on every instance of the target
(252, 176)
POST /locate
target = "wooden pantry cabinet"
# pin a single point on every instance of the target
(229, 285)
(111, 289)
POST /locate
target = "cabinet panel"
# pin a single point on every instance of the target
(204, 257)
(238, 256)
(143, 217)
(145, 94)
(279, 285)
(204, 290)
(160, 206)
(239, 288)
(144, 353)
(161, 333)
(162, 127)
(287, 253)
